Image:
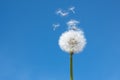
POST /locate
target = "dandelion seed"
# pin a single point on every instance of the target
(55, 26)
(62, 12)
(72, 24)
(72, 9)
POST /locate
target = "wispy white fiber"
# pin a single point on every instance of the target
(72, 40)
(62, 12)
(72, 9)
(73, 28)
(55, 26)
(72, 23)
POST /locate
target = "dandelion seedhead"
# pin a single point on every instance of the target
(72, 41)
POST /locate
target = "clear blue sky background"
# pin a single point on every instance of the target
(29, 47)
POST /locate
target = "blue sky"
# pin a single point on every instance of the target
(29, 47)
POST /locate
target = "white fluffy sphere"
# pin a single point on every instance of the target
(72, 41)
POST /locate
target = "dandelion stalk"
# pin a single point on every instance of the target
(71, 65)
(72, 42)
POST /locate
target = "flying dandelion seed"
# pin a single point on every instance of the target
(55, 26)
(62, 12)
(72, 24)
(73, 28)
(72, 9)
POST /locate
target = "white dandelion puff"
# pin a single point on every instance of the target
(55, 26)
(62, 12)
(72, 41)
(72, 9)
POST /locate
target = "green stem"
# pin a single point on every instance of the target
(71, 66)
